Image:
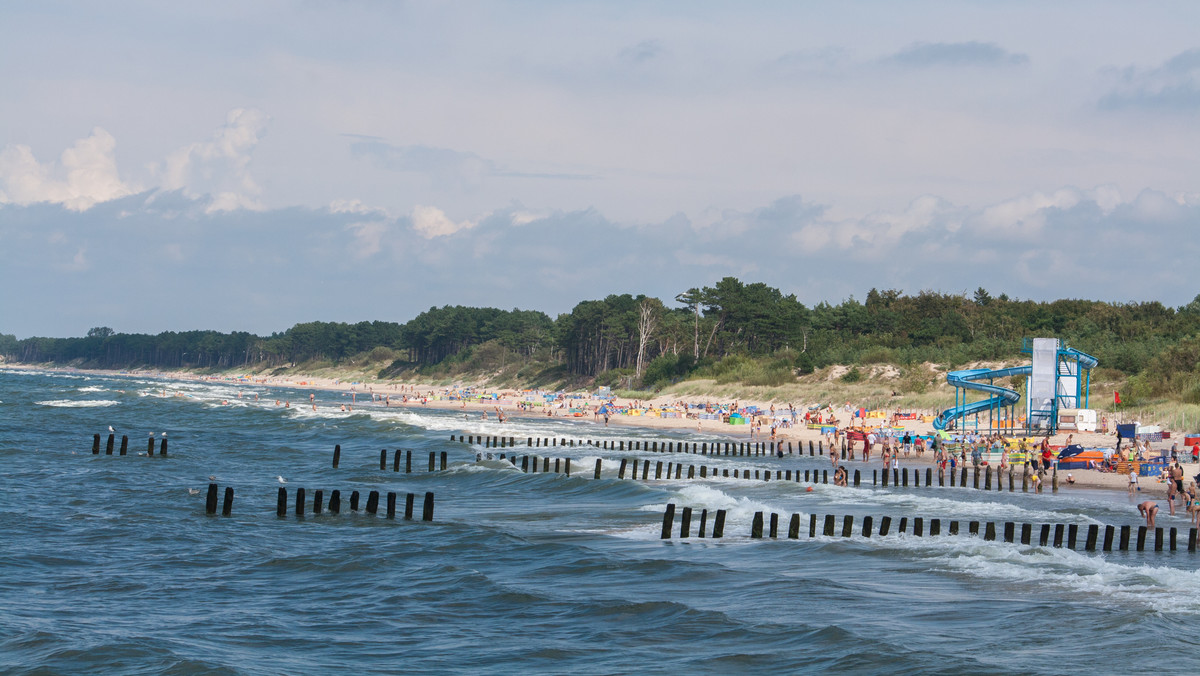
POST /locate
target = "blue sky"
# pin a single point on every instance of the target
(247, 166)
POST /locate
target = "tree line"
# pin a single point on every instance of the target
(641, 340)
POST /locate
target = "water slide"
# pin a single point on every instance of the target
(1001, 396)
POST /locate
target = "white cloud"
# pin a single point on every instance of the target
(220, 167)
(432, 222)
(85, 174)
(368, 238)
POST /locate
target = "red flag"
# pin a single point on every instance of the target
(1116, 397)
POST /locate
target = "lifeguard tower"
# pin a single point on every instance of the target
(1059, 378)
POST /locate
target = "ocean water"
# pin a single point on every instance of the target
(110, 565)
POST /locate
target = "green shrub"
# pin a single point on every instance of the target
(852, 376)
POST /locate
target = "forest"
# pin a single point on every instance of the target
(733, 331)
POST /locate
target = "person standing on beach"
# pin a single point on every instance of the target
(1133, 480)
(1171, 496)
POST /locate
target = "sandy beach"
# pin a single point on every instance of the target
(394, 394)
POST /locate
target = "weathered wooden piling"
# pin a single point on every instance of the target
(382, 459)
(918, 526)
(847, 526)
(1192, 539)
(318, 499)
(299, 502)
(354, 501)
(989, 531)
(391, 505)
(408, 462)
(443, 460)
(1123, 543)
(408, 506)
(828, 530)
(658, 470)
(685, 523)
(1158, 539)
(719, 524)
(885, 524)
(812, 525)
(757, 525)
(1009, 531)
(150, 445)
(954, 527)
(108, 447)
(1072, 535)
(1141, 539)
(1089, 541)
(794, 527)
(1058, 535)
(427, 509)
(337, 455)
(281, 503)
(903, 527)
(124, 444)
(1173, 535)
(335, 502)
(1109, 531)
(210, 500)
(432, 460)
(973, 528)
(703, 522)
(774, 525)
(227, 505)
(867, 523)
(95, 444)
(1044, 535)
(1026, 533)
(935, 526)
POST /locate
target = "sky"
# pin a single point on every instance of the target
(247, 166)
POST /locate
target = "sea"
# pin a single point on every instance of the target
(110, 563)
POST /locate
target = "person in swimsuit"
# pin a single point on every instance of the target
(1148, 509)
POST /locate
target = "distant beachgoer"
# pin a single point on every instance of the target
(1133, 480)
(1148, 509)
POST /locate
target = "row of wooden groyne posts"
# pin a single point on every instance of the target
(1048, 533)
(318, 503)
(108, 448)
(899, 477)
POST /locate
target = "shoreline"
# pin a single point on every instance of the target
(1086, 479)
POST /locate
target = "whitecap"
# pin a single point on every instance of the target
(67, 403)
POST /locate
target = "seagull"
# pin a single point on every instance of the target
(281, 480)
(193, 491)
(212, 477)
(164, 435)
(110, 428)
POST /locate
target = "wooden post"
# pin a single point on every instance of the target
(382, 459)
(856, 477)
(299, 502)
(373, 502)
(976, 478)
(337, 455)
(918, 526)
(124, 444)
(281, 503)
(1058, 535)
(443, 460)
(567, 466)
(210, 500)
(408, 462)
(1044, 535)
(658, 470)
(794, 527)
(645, 470)
(704, 472)
(685, 523)
(1009, 531)
(962, 482)
(756, 527)
(703, 521)
(620, 472)
(691, 471)
(954, 527)
(354, 501)
(668, 521)
(427, 508)
(108, 447)
(824, 476)
(408, 507)
(1072, 535)
(432, 459)
(973, 528)
(318, 496)
(1089, 542)
(719, 524)
(828, 524)
(885, 477)
(903, 478)
(1026, 533)
(335, 502)
(987, 479)
(95, 444)
(935, 527)
(885, 525)
(227, 505)
(1158, 539)
(150, 445)
(867, 526)
(903, 525)
(1173, 535)
(774, 532)
(1123, 543)
(391, 505)
(1192, 539)
(396, 460)
(812, 525)
(847, 526)
(1141, 539)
